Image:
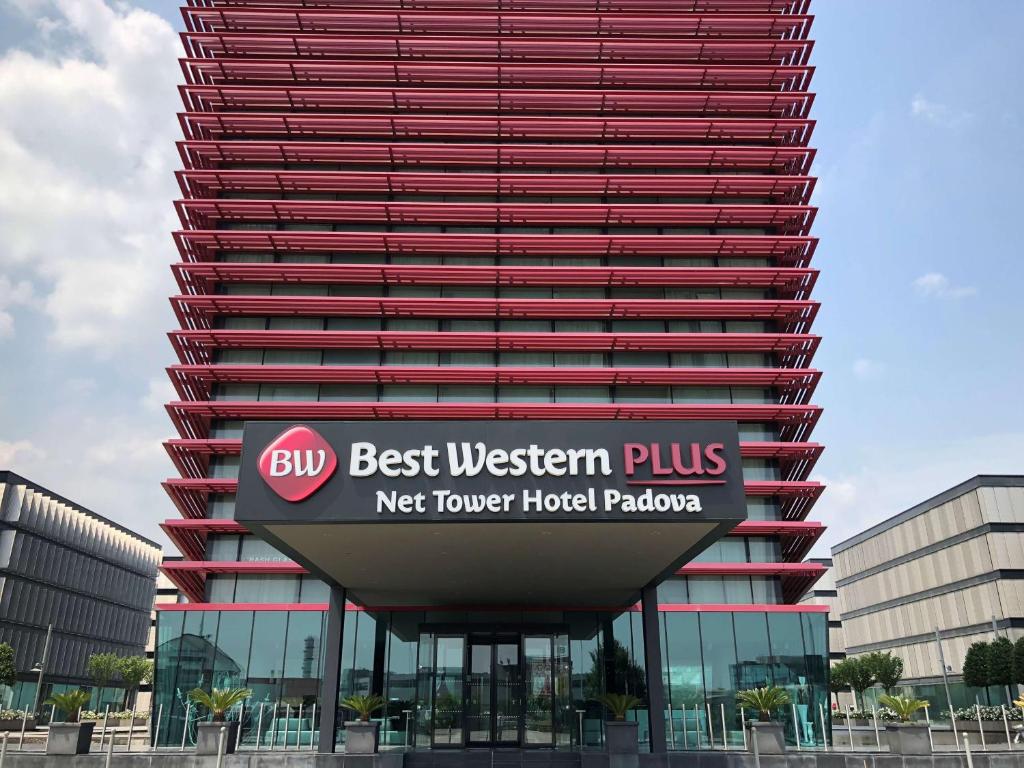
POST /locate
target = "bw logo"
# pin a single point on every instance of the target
(297, 463)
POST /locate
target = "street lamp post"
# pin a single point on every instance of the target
(41, 666)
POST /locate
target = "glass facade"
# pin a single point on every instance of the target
(455, 678)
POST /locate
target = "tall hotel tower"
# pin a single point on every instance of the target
(491, 210)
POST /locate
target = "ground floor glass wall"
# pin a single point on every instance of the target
(708, 656)
(455, 678)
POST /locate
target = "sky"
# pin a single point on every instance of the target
(919, 111)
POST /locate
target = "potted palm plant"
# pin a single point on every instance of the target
(905, 737)
(361, 736)
(70, 737)
(767, 732)
(620, 733)
(218, 702)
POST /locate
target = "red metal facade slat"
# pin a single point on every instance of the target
(366, 160)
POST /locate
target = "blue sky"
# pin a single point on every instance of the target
(919, 112)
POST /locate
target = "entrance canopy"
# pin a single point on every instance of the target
(559, 514)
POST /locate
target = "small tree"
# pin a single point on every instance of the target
(903, 706)
(134, 670)
(765, 701)
(619, 704)
(976, 665)
(1018, 661)
(1000, 663)
(862, 676)
(8, 672)
(102, 668)
(839, 677)
(219, 701)
(70, 703)
(363, 706)
(886, 668)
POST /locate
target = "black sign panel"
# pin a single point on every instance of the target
(480, 471)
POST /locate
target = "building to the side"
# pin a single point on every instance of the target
(952, 565)
(823, 592)
(166, 593)
(445, 212)
(88, 577)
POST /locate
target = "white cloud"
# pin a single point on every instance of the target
(12, 295)
(109, 462)
(938, 113)
(866, 369)
(86, 170)
(899, 475)
(159, 392)
(937, 285)
(19, 450)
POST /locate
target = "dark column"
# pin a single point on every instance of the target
(380, 647)
(652, 660)
(332, 670)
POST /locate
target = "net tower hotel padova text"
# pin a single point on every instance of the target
(494, 370)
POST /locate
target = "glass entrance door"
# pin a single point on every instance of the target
(496, 689)
(494, 692)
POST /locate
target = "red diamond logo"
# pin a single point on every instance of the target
(297, 462)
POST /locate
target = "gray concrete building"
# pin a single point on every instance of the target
(953, 563)
(65, 565)
(824, 593)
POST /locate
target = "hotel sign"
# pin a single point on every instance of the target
(465, 471)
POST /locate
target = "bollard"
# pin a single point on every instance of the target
(981, 728)
(273, 727)
(1006, 725)
(222, 738)
(874, 717)
(159, 722)
(967, 751)
(287, 724)
(24, 722)
(725, 731)
(184, 730)
(753, 740)
(579, 720)
(131, 732)
(103, 730)
(259, 727)
(743, 728)
(824, 730)
(110, 750)
(241, 720)
(696, 724)
(3, 748)
(711, 726)
(796, 729)
(312, 726)
(298, 729)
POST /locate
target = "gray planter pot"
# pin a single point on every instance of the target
(768, 736)
(69, 738)
(908, 739)
(208, 738)
(621, 737)
(361, 738)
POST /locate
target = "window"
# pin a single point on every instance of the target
(255, 549)
(222, 548)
